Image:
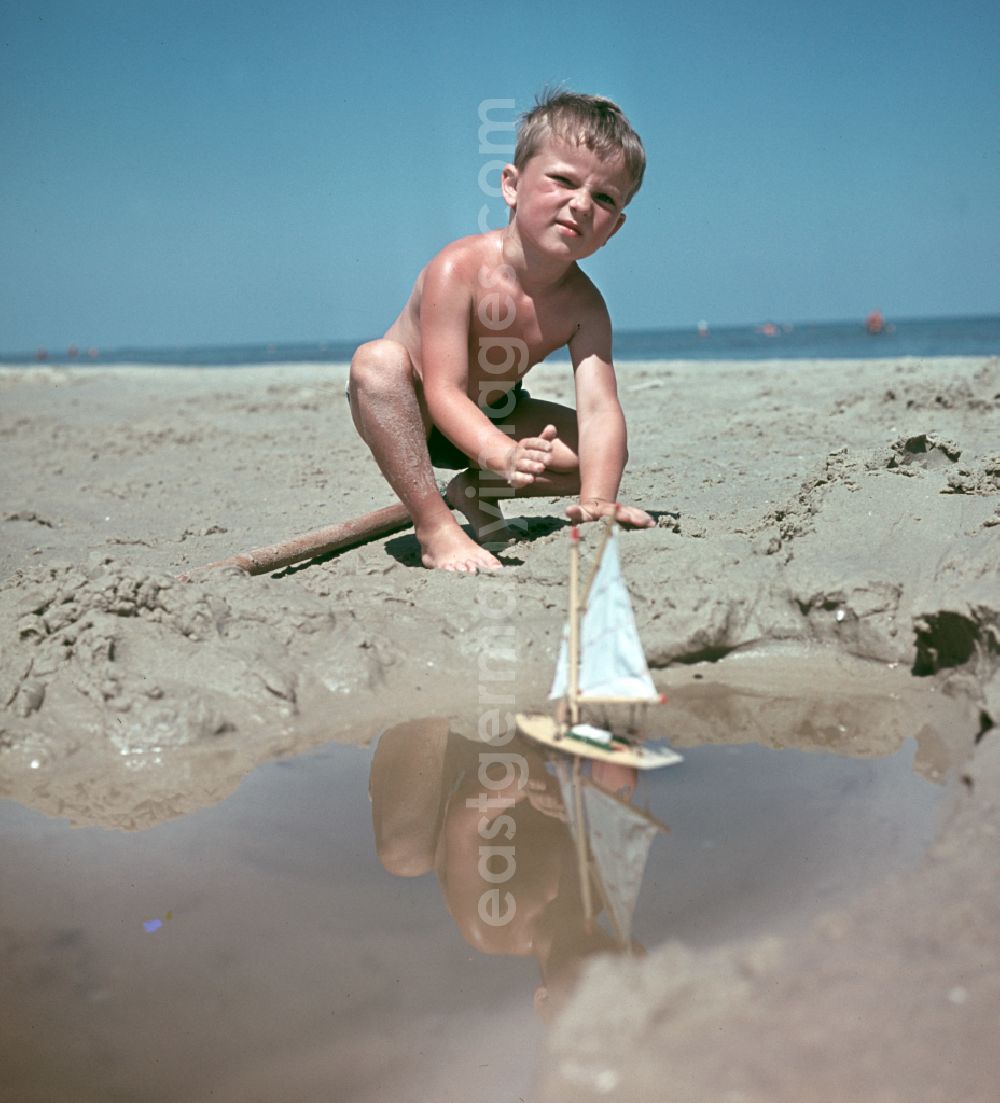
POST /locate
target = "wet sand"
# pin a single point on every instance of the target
(827, 524)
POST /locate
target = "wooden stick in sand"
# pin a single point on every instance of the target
(346, 534)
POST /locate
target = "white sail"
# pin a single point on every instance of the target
(620, 837)
(611, 660)
(561, 680)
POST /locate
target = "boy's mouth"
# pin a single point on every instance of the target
(569, 227)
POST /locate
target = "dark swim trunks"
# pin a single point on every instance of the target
(444, 454)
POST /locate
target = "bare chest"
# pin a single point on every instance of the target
(510, 333)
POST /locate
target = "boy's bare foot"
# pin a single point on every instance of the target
(480, 509)
(447, 548)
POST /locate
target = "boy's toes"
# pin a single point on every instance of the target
(486, 561)
(452, 550)
(463, 566)
(473, 566)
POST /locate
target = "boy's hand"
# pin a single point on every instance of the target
(594, 509)
(529, 457)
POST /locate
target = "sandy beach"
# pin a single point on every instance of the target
(827, 531)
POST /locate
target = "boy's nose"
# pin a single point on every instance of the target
(580, 200)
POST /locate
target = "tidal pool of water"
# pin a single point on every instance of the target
(316, 935)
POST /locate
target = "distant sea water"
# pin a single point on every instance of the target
(978, 336)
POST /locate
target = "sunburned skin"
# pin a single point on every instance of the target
(483, 312)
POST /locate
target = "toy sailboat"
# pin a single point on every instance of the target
(612, 839)
(600, 663)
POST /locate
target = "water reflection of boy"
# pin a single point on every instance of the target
(421, 779)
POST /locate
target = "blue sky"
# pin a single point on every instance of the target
(212, 172)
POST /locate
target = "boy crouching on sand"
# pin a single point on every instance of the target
(443, 386)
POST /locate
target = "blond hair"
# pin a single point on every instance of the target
(576, 117)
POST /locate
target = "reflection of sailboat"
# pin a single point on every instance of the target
(600, 663)
(612, 839)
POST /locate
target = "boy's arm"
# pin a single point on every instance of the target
(445, 321)
(603, 436)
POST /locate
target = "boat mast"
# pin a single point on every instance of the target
(609, 524)
(573, 680)
(582, 855)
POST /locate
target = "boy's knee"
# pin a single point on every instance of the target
(404, 858)
(380, 365)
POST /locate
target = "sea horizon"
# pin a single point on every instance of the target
(962, 335)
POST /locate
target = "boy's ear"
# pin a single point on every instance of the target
(508, 185)
(618, 225)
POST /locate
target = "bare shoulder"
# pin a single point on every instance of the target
(445, 284)
(584, 297)
(445, 287)
(460, 260)
(589, 309)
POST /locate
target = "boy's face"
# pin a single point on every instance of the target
(567, 200)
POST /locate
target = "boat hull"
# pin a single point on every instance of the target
(547, 731)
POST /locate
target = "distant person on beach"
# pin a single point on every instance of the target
(443, 387)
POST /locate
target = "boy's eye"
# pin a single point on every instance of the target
(605, 199)
(561, 179)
